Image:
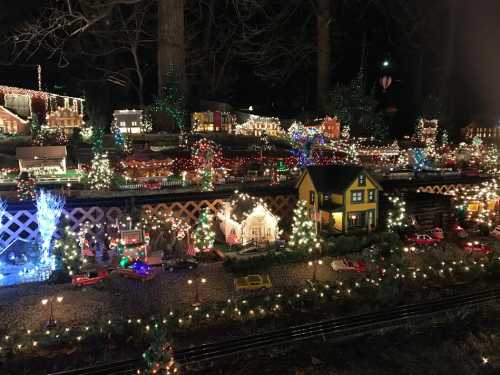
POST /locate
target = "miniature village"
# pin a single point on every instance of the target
(166, 233)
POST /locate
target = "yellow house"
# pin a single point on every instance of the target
(340, 197)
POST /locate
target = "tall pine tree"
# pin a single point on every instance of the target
(304, 236)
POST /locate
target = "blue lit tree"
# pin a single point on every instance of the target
(3, 209)
(48, 212)
(303, 140)
(420, 160)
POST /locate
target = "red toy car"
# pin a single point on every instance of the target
(423, 239)
(89, 278)
(477, 247)
(138, 271)
(348, 265)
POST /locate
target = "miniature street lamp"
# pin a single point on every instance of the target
(196, 283)
(51, 323)
(314, 265)
(68, 185)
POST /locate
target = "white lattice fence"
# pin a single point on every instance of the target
(23, 223)
(18, 224)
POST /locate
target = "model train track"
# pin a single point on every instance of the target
(340, 327)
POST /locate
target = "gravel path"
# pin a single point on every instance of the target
(20, 306)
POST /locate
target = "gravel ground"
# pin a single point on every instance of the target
(20, 306)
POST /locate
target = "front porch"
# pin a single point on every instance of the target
(332, 217)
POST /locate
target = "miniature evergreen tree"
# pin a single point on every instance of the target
(304, 236)
(101, 173)
(204, 236)
(444, 139)
(35, 126)
(68, 252)
(159, 358)
(26, 188)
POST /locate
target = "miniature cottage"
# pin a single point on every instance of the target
(128, 121)
(258, 125)
(212, 121)
(245, 219)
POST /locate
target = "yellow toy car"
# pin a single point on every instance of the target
(252, 282)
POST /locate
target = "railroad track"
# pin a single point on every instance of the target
(341, 327)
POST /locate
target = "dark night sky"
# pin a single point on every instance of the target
(475, 79)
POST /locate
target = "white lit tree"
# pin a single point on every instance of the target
(203, 235)
(304, 236)
(48, 212)
(67, 249)
(396, 216)
(101, 173)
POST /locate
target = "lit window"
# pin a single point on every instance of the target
(372, 195)
(361, 180)
(311, 197)
(357, 196)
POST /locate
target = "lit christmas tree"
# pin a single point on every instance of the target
(172, 100)
(204, 236)
(67, 250)
(206, 155)
(159, 358)
(49, 208)
(304, 236)
(397, 215)
(26, 188)
(444, 139)
(101, 173)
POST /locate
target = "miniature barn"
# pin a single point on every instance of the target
(245, 219)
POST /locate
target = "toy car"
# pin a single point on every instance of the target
(460, 232)
(252, 282)
(89, 278)
(348, 265)
(423, 239)
(477, 247)
(437, 233)
(138, 271)
(180, 264)
(496, 232)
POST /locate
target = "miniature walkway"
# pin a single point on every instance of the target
(340, 327)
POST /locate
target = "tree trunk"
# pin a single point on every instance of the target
(171, 44)
(419, 78)
(449, 54)
(324, 51)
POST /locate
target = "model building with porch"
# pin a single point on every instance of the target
(18, 106)
(340, 197)
(48, 160)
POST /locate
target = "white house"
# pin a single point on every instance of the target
(245, 219)
(128, 121)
